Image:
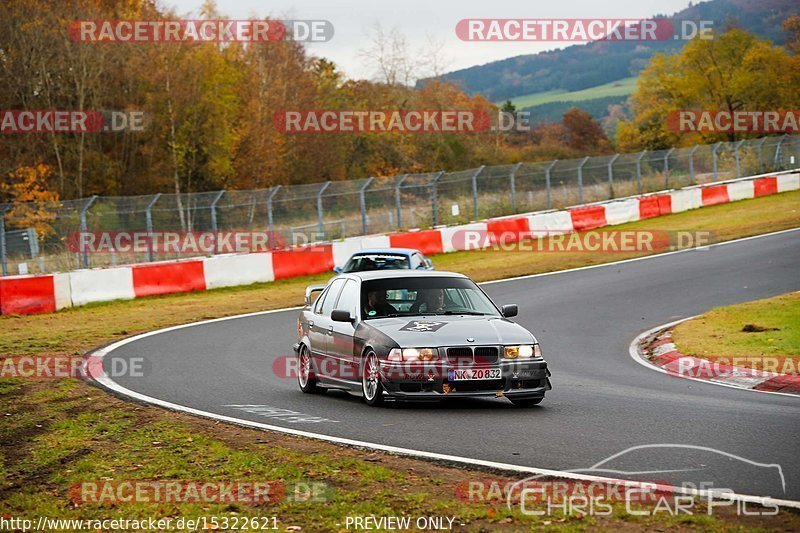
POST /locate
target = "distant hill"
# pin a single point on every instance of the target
(621, 88)
(554, 111)
(585, 66)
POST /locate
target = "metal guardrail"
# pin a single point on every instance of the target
(338, 209)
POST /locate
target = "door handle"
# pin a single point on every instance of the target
(330, 330)
(311, 323)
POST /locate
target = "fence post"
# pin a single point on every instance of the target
(639, 172)
(580, 179)
(760, 154)
(513, 178)
(397, 199)
(611, 175)
(691, 164)
(272, 194)
(252, 216)
(213, 208)
(435, 199)
(714, 156)
(738, 165)
(320, 221)
(778, 150)
(547, 180)
(362, 199)
(475, 190)
(666, 167)
(798, 147)
(3, 258)
(795, 139)
(84, 229)
(148, 218)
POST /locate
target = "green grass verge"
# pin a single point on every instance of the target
(755, 334)
(54, 434)
(621, 87)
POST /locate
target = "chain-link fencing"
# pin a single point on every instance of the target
(44, 237)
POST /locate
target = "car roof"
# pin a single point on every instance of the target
(390, 251)
(387, 274)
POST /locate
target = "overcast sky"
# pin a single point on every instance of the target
(419, 19)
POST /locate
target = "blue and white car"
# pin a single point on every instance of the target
(386, 259)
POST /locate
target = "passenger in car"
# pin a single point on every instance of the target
(431, 301)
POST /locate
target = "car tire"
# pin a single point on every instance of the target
(527, 402)
(305, 375)
(371, 387)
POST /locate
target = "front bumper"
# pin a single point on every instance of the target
(518, 380)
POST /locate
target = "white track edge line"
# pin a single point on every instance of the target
(110, 384)
(636, 355)
(107, 382)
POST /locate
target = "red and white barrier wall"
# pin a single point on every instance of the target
(23, 295)
(48, 293)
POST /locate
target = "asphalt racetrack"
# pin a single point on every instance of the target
(602, 403)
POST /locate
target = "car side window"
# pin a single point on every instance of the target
(331, 296)
(318, 302)
(348, 300)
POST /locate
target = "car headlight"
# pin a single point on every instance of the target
(413, 354)
(524, 351)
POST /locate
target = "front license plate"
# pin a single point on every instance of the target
(470, 374)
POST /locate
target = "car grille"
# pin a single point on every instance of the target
(467, 355)
(486, 354)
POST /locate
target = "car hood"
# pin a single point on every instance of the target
(436, 331)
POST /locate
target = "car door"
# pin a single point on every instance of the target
(341, 342)
(319, 326)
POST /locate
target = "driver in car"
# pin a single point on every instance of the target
(377, 304)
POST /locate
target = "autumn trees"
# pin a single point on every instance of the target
(733, 71)
(209, 107)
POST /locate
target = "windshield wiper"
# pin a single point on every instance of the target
(475, 313)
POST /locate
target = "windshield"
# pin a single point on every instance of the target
(363, 262)
(382, 298)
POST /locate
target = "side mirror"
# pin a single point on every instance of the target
(340, 315)
(310, 290)
(338, 270)
(509, 310)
